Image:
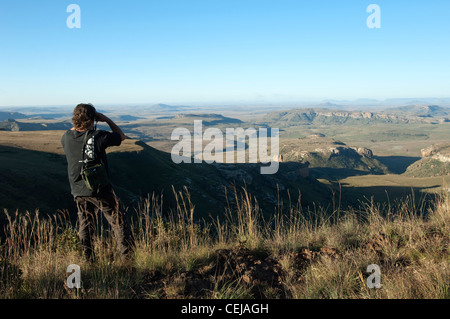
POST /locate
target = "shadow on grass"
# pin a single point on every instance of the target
(336, 173)
(389, 195)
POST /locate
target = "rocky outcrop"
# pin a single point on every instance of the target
(317, 135)
(9, 125)
(427, 152)
(321, 151)
(439, 153)
(441, 158)
(341, 150)
(365, 152)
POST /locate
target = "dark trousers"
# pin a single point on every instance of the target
(106, 201)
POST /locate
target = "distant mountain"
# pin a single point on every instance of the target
(319, 116)
(50, 116)
(416, 101)
(12, 116)
(421, 110)
(364, 103)
(167, 108)
(329, 105)
(128, 118)
(210, 118)
(13, 125)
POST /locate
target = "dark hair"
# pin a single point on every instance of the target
(83, 116)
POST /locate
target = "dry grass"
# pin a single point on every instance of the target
(410, 245)
(50, 142)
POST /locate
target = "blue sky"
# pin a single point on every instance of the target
(221, 51)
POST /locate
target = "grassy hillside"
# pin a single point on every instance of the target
(296, 254)
(33, 180)
(435, 162)
(323, 152)
(428, 167)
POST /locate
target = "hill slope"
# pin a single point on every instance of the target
(421, 110)
(435, 162)
(11, 116)
(326, 153)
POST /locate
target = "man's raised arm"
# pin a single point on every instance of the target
(103, 118)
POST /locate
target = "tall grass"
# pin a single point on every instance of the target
(409, 242)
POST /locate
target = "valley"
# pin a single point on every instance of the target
(325, 156)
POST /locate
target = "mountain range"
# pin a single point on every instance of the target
(399, 115)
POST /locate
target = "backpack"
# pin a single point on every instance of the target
(95, 175)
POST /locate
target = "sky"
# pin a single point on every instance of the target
(221, 51)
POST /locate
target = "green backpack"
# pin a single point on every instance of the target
(95, 175)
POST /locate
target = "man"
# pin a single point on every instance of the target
(79, 148)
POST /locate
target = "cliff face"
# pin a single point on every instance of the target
(438, 152)
(435, 162)
(413, 114)
(320, 151)
(9, 125)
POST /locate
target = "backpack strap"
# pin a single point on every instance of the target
(84, 146)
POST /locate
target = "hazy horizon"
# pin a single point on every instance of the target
(361, 102)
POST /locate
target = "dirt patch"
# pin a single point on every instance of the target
(232, 273)
(303, 258)
(255, 271)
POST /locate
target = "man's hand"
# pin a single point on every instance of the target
(99, 117)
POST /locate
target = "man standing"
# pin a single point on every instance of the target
(83, 143)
